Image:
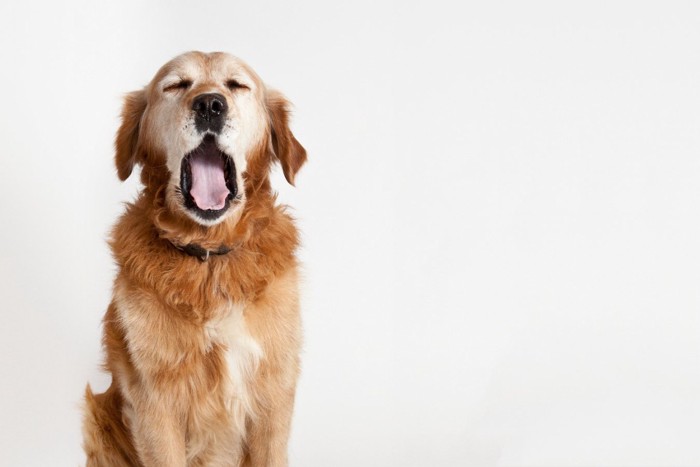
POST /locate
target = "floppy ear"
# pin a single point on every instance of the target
(285, 146)
(128, 135)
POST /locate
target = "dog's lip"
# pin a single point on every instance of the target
(209, 190)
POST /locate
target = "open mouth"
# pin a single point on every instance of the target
(208, 180)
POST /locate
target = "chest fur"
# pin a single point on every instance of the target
(242, 355)
(199, 365)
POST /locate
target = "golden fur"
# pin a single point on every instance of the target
(204, 355)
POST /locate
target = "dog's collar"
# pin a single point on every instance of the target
(199, 252)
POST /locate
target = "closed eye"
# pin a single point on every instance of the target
(182, 84)
(232, 84)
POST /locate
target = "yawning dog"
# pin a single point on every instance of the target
(202, 335)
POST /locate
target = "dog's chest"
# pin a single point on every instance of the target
(242, 352)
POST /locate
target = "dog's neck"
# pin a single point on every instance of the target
(202, 242)
(188, 237)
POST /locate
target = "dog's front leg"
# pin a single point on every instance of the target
(274, 321)
(268, 436)
(159, 434)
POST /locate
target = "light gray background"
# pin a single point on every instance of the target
(500, 218)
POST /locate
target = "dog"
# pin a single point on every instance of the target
(202, 336)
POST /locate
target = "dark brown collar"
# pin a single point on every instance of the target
(201, 253)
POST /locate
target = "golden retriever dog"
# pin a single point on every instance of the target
(202, 336)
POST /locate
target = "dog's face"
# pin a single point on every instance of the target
(203, 118)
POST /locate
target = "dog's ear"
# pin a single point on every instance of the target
(126, 142)
(285, 146)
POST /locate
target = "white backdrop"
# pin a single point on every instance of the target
(500, 217)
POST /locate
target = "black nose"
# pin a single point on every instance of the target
(209, 112)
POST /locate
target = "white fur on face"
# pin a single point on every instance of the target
(170, 119)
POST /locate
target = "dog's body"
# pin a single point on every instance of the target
(202, 337)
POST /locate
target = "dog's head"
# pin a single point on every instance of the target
(206, 129)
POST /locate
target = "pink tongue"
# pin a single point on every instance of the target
(208, 181)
